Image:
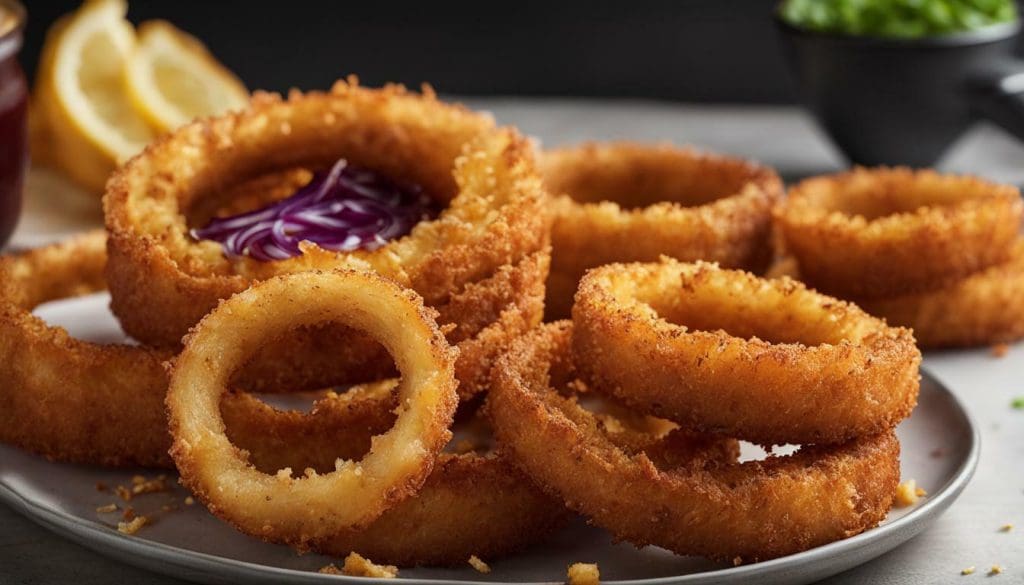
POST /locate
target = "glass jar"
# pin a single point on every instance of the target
(13, 117)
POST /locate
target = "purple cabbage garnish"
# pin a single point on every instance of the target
(345, 209)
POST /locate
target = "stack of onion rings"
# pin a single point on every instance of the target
(73, 400)
(722, 351)
(937, 253)
(728, 511)
(624, 202)
(162, 281)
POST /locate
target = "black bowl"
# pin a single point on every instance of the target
(904, 101)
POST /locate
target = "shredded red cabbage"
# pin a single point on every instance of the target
(345, 209)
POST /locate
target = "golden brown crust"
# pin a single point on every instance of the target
(69, 399)
(883, 232)
(162, 281)
(725, 352)
(280, 507)
(74, 400)
(486, 316)
(754, 510)
(983, 309)
(623, 202)
(471, 503)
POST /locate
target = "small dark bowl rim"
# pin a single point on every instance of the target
(987, 34)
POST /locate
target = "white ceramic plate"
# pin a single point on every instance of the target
(940, 447)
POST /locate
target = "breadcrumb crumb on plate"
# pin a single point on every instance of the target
(908, 494)
(479, 565)
(584, 574)
(132, 526)
(358, 566)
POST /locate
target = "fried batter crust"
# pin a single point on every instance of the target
(755, 510)
(162, 281)
(628, 202)
(884, 232)
(725, 352)
(982, 309)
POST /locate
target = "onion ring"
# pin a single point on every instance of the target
(982, 309)
(754, 510)
(65, 398)
(724, 352)
(627, 202)
(472, 503)
(162, 281)
(73, 400)
(298, 510)
(875, 233)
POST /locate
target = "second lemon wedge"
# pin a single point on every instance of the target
(172, 79)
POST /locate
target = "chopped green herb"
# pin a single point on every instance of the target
(1018, 403)
(896, 18)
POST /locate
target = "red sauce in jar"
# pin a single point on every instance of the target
(13, 118)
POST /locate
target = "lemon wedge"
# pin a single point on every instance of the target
(80, 91)
(172, 78)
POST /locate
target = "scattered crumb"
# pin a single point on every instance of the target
(132, 526)
(968, 571)
(107, 509)
(737, 561)
(584, 574)
(358, 566)
(189, 500)
(995, 570)
(128, 514)
(937, 452)
(479, 565)
(141, 485)
(331, 569)
(124, 493)
(101, 487)
(1006, 528)
(907, 494)
(1000, 350)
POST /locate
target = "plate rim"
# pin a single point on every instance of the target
(194, 564)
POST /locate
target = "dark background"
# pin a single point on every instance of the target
(692, 50)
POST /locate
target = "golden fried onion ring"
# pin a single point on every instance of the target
(875, 233)
(982, 309)
(162, 281)
(724, 352)
(472, 503)
(624, 202)
(70, 399)
(755, 510)
(297, 510)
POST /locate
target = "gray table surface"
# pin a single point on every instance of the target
(968, 534)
